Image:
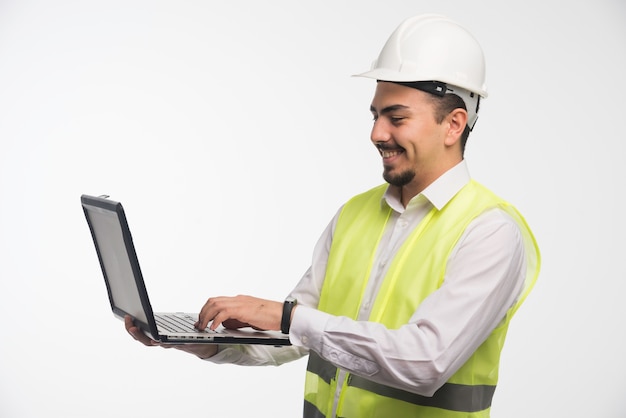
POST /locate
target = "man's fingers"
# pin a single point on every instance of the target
(213, 310)
(137, 334)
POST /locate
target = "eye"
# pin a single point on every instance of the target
(396, 120)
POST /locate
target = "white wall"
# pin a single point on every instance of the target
(232, 131)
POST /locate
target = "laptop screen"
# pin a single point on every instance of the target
(114, 258)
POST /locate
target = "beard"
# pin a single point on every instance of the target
(400, 179)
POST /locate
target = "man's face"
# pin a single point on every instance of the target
(410, 141)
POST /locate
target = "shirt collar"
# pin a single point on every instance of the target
(438, 193)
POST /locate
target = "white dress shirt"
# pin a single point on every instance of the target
(484, 277)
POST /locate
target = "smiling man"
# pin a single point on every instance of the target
(406, 305)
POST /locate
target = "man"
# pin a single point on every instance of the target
(406, 305)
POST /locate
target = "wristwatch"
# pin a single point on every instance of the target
(288, 306)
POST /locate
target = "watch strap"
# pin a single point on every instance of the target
(285, 322)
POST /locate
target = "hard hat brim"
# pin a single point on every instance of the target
(384, 74)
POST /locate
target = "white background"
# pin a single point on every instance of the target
(232, 131)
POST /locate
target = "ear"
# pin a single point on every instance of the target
(457, 119)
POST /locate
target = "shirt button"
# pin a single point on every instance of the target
(305, 340)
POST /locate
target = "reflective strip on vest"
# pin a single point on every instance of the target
(451, 396)
(311, 411)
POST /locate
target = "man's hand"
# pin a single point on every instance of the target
(238, 311)
(201, 350)
(138, 334)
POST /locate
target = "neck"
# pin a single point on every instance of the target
(421, 181)
(409, 191)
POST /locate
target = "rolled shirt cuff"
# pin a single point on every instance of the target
(307, 327)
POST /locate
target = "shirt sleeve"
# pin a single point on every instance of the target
(484, 277)
(256, 355)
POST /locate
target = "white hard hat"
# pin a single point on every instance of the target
(433, 48)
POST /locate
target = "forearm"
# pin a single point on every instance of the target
(256, 355)
(403, 358)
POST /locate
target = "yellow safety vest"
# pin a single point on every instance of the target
(417, 270)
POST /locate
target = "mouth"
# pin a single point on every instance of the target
(387, 152)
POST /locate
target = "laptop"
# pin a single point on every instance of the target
(127, 290)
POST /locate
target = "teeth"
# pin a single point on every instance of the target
(387, 154)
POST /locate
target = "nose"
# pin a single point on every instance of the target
(379, 133)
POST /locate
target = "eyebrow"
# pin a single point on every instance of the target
(389, 109)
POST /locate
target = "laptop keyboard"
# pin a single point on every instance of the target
(177, 323)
